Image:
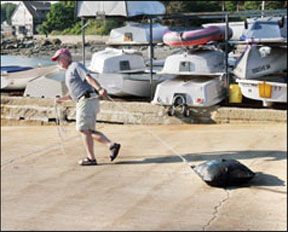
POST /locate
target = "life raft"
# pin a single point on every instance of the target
(195, 37)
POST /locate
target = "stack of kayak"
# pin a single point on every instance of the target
(195, 37)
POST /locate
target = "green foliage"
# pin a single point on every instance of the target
(102, 27)
(7, 10)
(75, 30)
(60, 17)
(252, 5)
(272, 5)
(42, 29)
(230, 6)
(192, 6)
(210, 6)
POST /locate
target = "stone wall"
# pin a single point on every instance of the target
(120, 112)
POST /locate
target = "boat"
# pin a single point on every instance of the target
(136, 33)
(195, 37)
(184, 92)
(198, 81)
(50, 85)
(261, 60)
(14, 68)
(203, 61)
(261, 70)
(18, 80)
(262, 29)
(268, 89)
(236, 28)
(122, 72)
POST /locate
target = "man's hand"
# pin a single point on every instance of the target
(102, 92)
(57, 100)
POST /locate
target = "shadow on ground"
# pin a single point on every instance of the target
(260, 179)
(205, 156)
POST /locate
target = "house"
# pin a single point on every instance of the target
(28, 15)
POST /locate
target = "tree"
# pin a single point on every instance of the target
(60, 17)
(273, 5)
(7, 10)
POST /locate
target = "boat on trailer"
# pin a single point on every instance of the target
(122, 72)
(199, 81)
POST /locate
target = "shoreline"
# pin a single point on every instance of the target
(39, 45)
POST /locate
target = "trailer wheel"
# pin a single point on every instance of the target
(187, 112)
(171, 111)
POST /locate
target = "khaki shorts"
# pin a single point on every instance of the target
(86, 112)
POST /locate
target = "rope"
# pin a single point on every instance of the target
(59, 128)
(153, 134)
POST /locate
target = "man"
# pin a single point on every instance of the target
(81, 89)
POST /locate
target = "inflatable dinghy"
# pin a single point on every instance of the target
(195, 37)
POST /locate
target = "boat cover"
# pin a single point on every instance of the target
(134, 33)
(262, 28)
(202, 62)
(119, 8)
(112, 60)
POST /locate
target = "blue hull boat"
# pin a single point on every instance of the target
(14, 68)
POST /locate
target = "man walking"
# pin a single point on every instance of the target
(81, 89)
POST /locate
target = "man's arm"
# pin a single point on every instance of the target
(62, 99)
(95, 84)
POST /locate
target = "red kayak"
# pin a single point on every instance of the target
(195, 37)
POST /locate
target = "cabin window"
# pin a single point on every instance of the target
(186, 66)
(128, 37)
(124, 65)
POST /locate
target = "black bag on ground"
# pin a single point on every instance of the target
(223, 172)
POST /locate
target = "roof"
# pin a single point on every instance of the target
(36, 8)
(119, 8)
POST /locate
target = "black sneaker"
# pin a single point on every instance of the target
(114, 151)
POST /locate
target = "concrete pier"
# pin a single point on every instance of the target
(147, 187)
(120, 112)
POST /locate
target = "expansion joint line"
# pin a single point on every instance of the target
(216, 208)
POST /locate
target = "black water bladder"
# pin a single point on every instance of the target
(223, 172)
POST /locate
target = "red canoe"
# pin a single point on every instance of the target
(195, 37)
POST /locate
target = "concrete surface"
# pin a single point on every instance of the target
(148, 187)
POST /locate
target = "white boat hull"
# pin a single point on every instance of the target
(253, 64)
(19, 80)
(47, 86)
(122, 85)
(198, 91)
(275, 91)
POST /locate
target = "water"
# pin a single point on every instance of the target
(26, 61)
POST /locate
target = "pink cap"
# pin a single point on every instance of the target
(59, 52)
